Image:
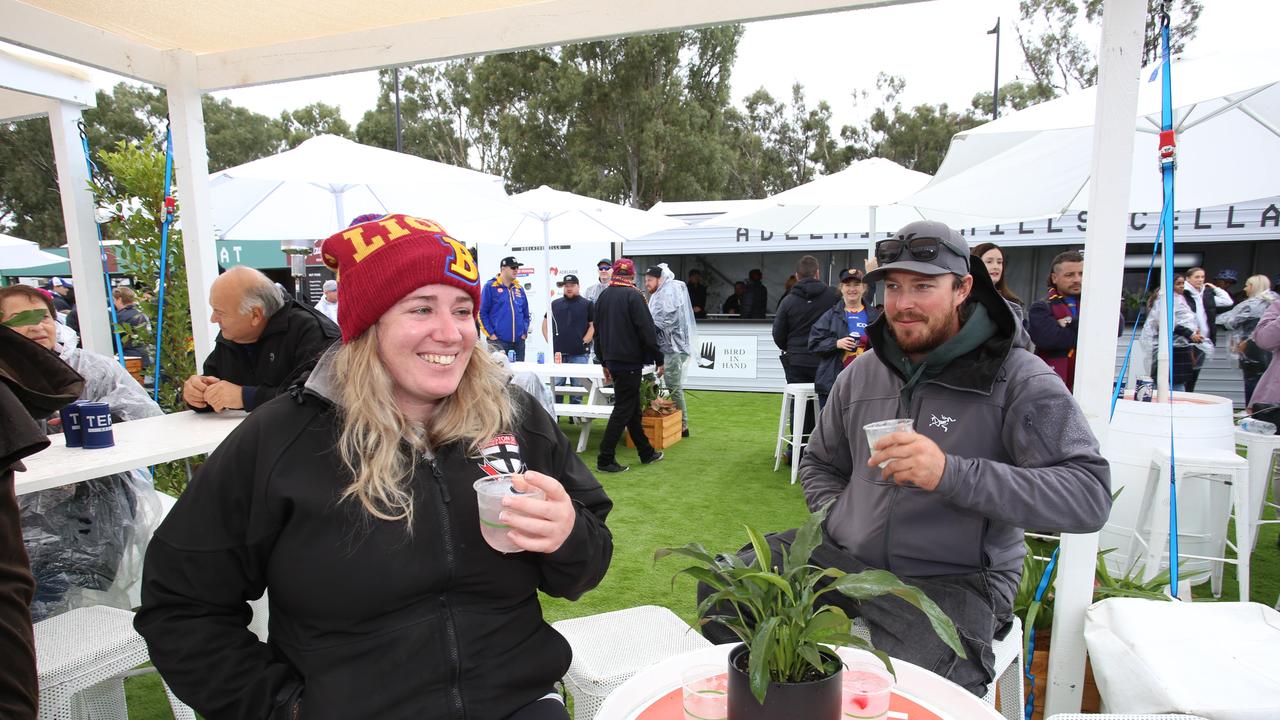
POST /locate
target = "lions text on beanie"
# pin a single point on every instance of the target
(380, 261)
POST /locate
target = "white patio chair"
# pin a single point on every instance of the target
(83, 657)
(609, 648)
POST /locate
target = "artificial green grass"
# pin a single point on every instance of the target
(705, 489)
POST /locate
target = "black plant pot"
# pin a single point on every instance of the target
(813, 700)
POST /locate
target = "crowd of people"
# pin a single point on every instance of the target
(346, 493)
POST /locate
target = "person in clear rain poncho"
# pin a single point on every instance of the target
(86, 540)
(677, 332)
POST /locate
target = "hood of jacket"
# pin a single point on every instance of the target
(983, 364)
(809, 288)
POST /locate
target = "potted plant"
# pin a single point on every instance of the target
(661, 419)
(1037, 615)
(784, 667)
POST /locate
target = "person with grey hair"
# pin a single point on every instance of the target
(266, 342)
(329, 303)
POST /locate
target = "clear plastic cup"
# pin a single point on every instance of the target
(867, 688)
(706, 692)
(877, 430)
(489, 493)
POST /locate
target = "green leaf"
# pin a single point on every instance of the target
(757, 661)
(693, 551)
(874, 583)
(772, 579)
(808, 537)
(764, 557)
(26, 317)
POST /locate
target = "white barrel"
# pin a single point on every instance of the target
(1200, 422)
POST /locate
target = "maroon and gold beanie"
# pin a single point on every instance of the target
(380, 261)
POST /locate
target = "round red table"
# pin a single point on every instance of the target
(654, 693)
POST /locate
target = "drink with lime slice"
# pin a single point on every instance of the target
(489, 493)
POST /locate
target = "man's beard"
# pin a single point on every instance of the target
(923, 340)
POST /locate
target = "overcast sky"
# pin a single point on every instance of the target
(940, 48)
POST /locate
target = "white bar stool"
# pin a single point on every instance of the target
(1152, 527)
(797, 396)
(1263, 453)
(83, 657)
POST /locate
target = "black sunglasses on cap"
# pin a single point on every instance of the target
(924, 249)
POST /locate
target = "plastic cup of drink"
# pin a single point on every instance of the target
(705, 690)
(877, 430)
(489, 493)
(867, 687)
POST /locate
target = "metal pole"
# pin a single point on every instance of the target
(995, 90)
(395, 74)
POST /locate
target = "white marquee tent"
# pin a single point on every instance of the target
(193, 46)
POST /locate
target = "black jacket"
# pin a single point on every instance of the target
(33, 384)
(755, 301)
(367, 620)
(822, 343)
(135, 318)
(1210, 309)
(698, 299)
(625, 334)
(287, 350)
(808, 300)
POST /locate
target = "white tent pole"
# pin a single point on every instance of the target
(871, 232)
(191, 166)
(81, 228)
(339, 210)
(1117, 106)
(546, 269)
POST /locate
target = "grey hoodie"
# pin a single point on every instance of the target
(1019, 455)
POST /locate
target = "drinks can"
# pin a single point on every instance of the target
(71, 425)
(559, 358)
(542, 357)
(95, 425)
(511, 355)
(1144, 389)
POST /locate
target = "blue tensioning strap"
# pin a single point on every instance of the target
(1167, 167)
(102, 252)
(1031, 644)
(164, 255)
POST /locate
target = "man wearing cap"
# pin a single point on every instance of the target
(673, 319)
(504, 310)
(604, 270)
(266, 342)
(998, 445)
(329, 303)
(626, 341)
(1225, 280)
(573, 327)
(63, 298)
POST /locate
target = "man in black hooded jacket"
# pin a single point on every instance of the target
(808, 300)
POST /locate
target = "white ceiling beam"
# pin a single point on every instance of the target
(15, 106)
(38, 78)
(527, 26)
(50, 33)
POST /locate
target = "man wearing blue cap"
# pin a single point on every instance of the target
(504, 310)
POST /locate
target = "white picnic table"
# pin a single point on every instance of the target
(139, 444)
(596, 401)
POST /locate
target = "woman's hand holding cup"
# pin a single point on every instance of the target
(538, 524)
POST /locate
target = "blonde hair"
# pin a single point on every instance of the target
(380, 445)
(1256, 284)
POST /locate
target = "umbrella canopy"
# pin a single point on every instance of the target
(16, 253)
(314, 190)
(1036, 162)
(547, 214)
(861, 198)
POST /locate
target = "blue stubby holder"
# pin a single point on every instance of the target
(542, 357)
(71, 430)
(95, 424)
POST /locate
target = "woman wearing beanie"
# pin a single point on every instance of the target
(350, 499)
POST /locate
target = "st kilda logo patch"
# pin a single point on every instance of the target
(501, 455)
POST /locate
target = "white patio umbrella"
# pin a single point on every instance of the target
(314, 190)
(1035, 163)
(865, 197)
(18, 253)
(546, 214)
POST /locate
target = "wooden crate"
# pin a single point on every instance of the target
(663, 431)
